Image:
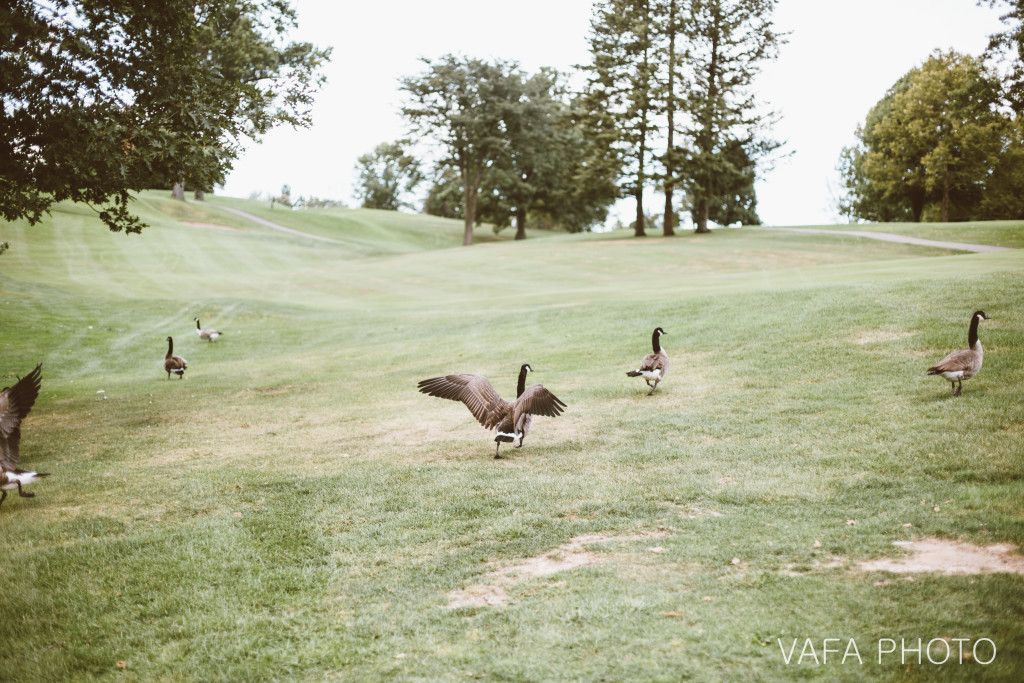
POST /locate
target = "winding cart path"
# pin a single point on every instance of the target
(890, 237)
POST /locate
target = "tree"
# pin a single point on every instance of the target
(548, 169)
(733, 199)
(445, 196)
(671, 99)
(589, 176)
(937, 141)
(728, 40)
(104, 98)
(386, 175)
(1008, 47)
(462, 104)
(896, 189)
(527, 174)
(623, 83)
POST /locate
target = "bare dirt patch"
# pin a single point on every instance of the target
(944, 556)
(493, 590)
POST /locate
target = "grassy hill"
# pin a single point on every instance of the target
(294, 509)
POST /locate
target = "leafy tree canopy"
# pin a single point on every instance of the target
(101, 98)
(386, 175)
(1008, 47)
(937, 144)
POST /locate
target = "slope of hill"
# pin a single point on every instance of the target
(295, 509)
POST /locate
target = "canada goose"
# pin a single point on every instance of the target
(15, 402)
(654, 366)
(208, 335)
(172, 363)
(512, 420)
(961, 365)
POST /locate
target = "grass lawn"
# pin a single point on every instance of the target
(295, 510)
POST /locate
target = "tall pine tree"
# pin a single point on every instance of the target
(728, 41)
(622, 84)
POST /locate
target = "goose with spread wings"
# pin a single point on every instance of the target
(511, 419)
(15, 403)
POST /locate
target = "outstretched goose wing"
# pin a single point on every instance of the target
(536, 400)
(473, 390)
(15, 403)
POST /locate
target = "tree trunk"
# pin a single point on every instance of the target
(520, 223)
(638, 229)
(469, 194)
(178, 191)
(638, 226)
(670, 98)
(200, 195)
(945, 198)
(708, 135)
(702, 215)
(917, 199)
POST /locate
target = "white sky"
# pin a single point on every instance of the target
(840, 59)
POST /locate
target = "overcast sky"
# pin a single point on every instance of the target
(839, 60)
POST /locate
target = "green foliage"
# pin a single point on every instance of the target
(685, 68)
(1007, 47)
(461, 104)
(937, 145)
(623, 84)
(725, 137)
(590, 165)
(512, 145)
(541, 172)
(386, 175)
(103, 98)
(445, 197)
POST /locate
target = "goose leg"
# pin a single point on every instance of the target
(653, 388)
(22, 493)
(2, 497)
(959, 388)
(497, 454)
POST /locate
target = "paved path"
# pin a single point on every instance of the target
(890, 237)
(275, 226)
